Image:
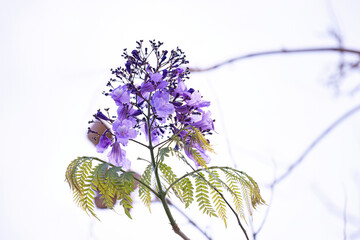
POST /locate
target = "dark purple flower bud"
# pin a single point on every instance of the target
(177, 104)
(100, 115)
(164, 56)
(128, 66)
(165, 72)
(176, 148)
(135, 53)
(136, 113)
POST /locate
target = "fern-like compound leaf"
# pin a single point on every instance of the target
(144, 192)
(218, 200)
(126, 186)
(85, 179)
(171, 177)
(79, 175)
(202, 195)
(235, 193)
(187, 190)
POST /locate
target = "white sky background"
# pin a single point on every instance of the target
(55, 58)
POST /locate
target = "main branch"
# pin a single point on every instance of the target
(274, 52)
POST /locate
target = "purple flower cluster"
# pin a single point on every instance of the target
(153, 100)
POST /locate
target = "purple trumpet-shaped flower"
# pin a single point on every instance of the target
(158, 80)
(127, 111)
(190, 151)
(104, 143)
(124, 131)
(120, 95)
(155, 82)
(196, 101)
(154, 134)
(160, 102)
(117, 156)
(203, 122)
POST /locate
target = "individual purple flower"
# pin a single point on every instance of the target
(147, 87)
(127, 111)
(203, 122)
(120, 95)
(156, 77)
(124, 131)
(104, 143)
(117, 156)
(189, 151)
(182, 89)
(154, 134)
(160, 101)
(155, 82)
(196, 100)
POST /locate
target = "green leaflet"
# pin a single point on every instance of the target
(196, 155)
(187, 191)
(235, 194)
(163, 152)
(78, 175)
(195, 136)
(85, 178)
(144, 192)
(219, 202)
(126, 186)
(202, 195)
(170, 177)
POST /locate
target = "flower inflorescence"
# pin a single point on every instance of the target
(152, 98)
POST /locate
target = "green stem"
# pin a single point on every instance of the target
(161, 194)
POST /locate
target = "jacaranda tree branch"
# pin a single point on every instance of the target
(277, 52)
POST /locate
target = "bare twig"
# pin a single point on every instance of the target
(315, 142)
(272, 188)
(281, 51)
(345, 215)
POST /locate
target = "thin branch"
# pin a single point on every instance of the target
(272, 188)
(345, 215)
(274, 52)
(139, 143)
(315, 142)
(189, 219)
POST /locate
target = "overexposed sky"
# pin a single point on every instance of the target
(55, 58)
